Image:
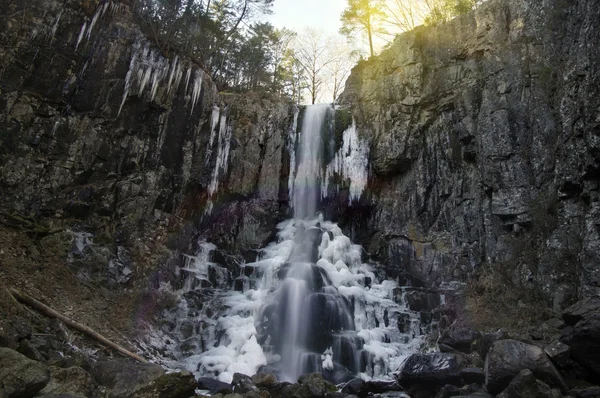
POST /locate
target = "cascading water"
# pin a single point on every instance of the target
(308, 304)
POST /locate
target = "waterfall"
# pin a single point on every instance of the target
(306, 189)
(309, 303)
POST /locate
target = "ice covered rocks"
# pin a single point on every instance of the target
(507, 358)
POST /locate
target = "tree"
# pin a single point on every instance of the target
(441, 11)
(312, 53)
(405, 15)
(362, 15)
(343, 60)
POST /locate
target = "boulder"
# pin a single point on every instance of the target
(473, 375)
(73, 380)
(356, 387)
(20, 376)
(507, 358)
(242, 384)
(381, 386)
(525, 385)
(172, 385)
(583, 337)
(461, 339)
(123, 378)
(559, 353)
(317, 385)
(264, 379)
(590, 392)
(425, 374)
(585, 308)
(214, 386)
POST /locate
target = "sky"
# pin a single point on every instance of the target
(297, 14)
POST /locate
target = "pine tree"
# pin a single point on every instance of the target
(362, 15)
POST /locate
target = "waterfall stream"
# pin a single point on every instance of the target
(307, 304)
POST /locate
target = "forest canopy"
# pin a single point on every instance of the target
(231, 41)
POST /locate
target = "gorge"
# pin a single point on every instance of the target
(452, 192)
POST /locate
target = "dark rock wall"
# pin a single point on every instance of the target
(485, 143)
(100, 128)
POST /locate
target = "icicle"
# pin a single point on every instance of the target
(93, 23)
(174, 66)
(197, 89)
(188, 74)
(350, 162)
(81, 33)
(223, 146)
(292, 153)
(105, 7)
(214, 120)
(128, 80)
(55, 27)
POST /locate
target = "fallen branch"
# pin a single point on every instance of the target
(49, 312)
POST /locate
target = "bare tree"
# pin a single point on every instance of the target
(406, 15)
(312, 51)
(343, 58)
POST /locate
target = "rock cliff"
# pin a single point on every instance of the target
(485, 147)
(131, 148)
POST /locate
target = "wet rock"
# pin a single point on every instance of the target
(448, 391)
(581, 310)
(473, 375)
(29, 350)
(507, 358)
(21, 377)
(317, 385)
(583, 337)
(74, 380)
(422, 301)
(356, 387)
(242, 384)
(214, 386)
(590, 392)
(124, 378)
(172, 385)
(264, 379)
(525, 385)
(460, 339)
(559, 353)
(424, 374)
(381, 386)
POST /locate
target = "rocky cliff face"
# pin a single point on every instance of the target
(105, 135)
(485, 146)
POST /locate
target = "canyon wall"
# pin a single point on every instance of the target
(485, 147)
(105, 136)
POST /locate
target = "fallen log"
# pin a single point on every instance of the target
(49, 312)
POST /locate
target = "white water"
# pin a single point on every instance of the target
(309, 302)
(309, 156)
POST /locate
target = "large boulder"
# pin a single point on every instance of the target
(317, 385)
(172, 385)
(73, 380)
(583, 337)
(124, 378)
(461, 339)
(525, 385)
(507, 358)
(214, 386)
(425, 374)
(20, 376)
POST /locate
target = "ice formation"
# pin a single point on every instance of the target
(150, 71)
(291, 147)
(308, 303)
(351, 162)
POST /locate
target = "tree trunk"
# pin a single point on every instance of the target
(49, 312)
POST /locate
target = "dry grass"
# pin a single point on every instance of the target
(495, 301)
